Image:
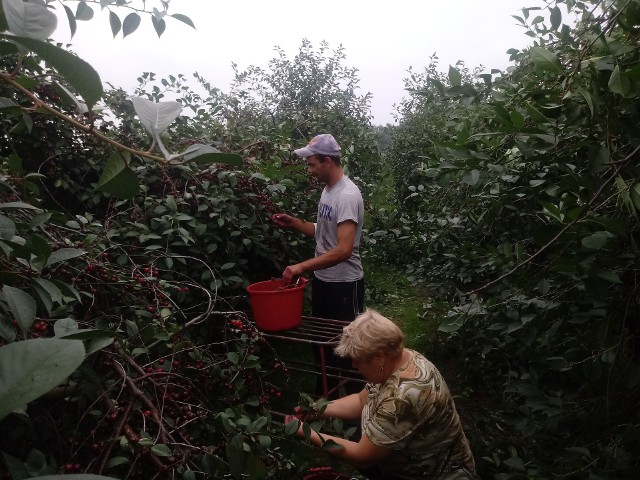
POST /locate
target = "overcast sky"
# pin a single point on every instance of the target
(382, 39)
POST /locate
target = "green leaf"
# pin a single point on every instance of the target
(33, 367)
(183, 19)
(232, 159)
(78, 73)
(617, 82)
(595, 241)
(610, 277)
(455, 78)
(65, 326)
(471, 178)
(517, 118)
(159, 25)
(114, 22)
(516, 463)
(7, 228)
(556, 18)
(587, 97)
(84, 12)
(73, 25)
(291, 427)
(130, 24)
(30, 20)
(545, 60)
(634, 193)
(161, 450)
(118, 179)
(22, 306)
(54, 293)
(64, 254)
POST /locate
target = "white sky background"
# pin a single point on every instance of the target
(382, 39)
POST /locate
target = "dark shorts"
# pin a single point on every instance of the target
(337, 300)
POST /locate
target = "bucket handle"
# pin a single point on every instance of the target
(291, 285)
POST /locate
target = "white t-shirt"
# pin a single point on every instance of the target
(337, 204)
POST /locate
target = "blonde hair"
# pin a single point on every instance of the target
(369, 334)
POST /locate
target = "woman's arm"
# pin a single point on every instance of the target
(347, 408)
(363, 454)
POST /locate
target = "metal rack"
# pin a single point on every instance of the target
(322, 333)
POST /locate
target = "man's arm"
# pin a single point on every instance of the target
(284, 220)
(341, 252)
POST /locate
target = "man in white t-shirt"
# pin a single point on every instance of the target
(338, 278)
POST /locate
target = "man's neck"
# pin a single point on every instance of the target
(335, 178)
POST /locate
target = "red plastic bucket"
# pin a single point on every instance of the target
(276, 307)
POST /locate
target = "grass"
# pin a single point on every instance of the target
(389, 292)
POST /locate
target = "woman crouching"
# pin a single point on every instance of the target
(410, 426)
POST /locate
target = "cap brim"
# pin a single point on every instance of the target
(303, 152)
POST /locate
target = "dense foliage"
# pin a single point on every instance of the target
(125, 247)
(123, 345)
(519, 200)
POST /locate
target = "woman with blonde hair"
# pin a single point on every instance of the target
(410, 426)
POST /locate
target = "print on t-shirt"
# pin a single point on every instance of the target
(324, 211)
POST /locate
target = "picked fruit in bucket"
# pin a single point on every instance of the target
(277, 306)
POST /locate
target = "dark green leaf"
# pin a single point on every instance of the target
(130, 24)
(232, 159)
(161, 450)
(63, 255)
(455, 78)
(114, 22)
(618, 83)
(184, 19)
(545, 60)
(73, 25)
(22, 306)
(78, 73)
(159, 25)
(556, 18)
(595, 241)
(84, 12)
(118, 179)
(32, 367)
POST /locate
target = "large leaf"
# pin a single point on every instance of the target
(130, 24)
(118, 179)
(206, 154)
(84, 11)
(156, 117)
(64, 254)
(545, 60)
(78, 73)
(29, 20)
(71, 18)
(7, 228)
(618, 83)
(31, 368)
(22, 306)
(183, 19)
(114, 22)
(455, 78)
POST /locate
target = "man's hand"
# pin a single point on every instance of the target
(283, 220)
(291, 272)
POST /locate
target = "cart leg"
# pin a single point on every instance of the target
(323, 369)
